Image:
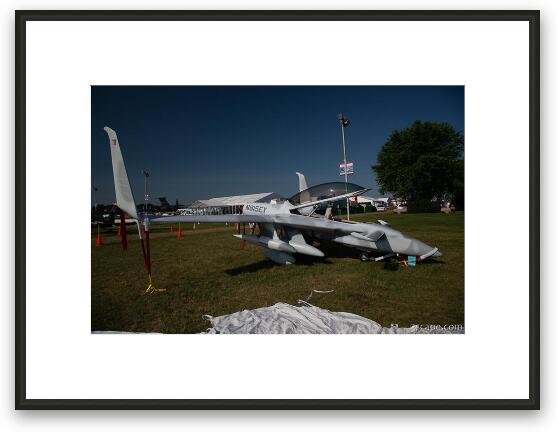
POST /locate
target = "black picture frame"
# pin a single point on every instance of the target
(531, 16)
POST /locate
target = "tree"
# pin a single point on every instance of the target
(422, 163)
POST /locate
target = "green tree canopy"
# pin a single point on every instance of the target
(422, 162)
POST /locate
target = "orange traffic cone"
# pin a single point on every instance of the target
(179, 231)
(99, 240)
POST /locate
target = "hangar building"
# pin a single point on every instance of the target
(230, 204)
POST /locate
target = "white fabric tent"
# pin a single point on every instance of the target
(235, 200)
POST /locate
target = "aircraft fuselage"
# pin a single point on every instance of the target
(366, 237)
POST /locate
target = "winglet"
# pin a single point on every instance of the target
(124, 195)
(301, 182)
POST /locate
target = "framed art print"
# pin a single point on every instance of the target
(286, 210)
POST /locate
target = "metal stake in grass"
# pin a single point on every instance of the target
(146, 251)
(244, 243)
(122, 230)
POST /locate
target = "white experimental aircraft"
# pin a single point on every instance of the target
(286, 228)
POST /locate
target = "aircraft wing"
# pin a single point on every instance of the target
(241, 218)
(316, 224)
(287, 220)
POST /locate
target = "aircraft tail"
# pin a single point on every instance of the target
(302, 182)
(124, 194)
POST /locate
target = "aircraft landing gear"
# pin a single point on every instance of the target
(364, 257)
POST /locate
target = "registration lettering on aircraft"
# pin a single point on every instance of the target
(255, 208)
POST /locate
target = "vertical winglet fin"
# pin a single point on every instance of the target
(124, 195)
(301, 182)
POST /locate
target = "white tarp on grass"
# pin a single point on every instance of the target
(283, 318)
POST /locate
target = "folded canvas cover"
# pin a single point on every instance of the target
(283, 318)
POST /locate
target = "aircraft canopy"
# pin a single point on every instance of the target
(323, 191)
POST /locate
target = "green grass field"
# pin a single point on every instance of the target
(207, 272)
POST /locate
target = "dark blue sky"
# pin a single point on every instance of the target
(202, 142)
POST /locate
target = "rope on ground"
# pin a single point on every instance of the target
(306, 301)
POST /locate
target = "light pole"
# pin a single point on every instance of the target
(146, 195)
(95, 197)
(344, 122)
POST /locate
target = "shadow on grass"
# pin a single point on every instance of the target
(430, 261)
(268, 264)
(251, 268)
(304, 260)
(335, 250)
(394, 264)
(391, 265)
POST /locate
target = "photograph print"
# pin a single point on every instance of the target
(277, 209)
